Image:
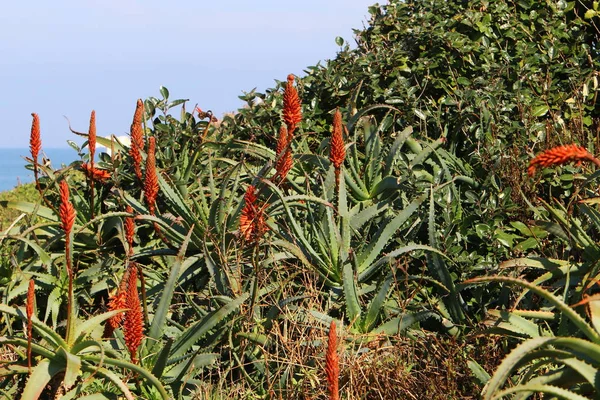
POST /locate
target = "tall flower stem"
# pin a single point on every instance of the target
(92, 149)
(332, 364)
(67, 218)
(337, 150)
(137, 139)
(35, 145)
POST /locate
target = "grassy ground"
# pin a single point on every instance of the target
(26, 192)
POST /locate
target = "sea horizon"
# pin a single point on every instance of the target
(12, 163)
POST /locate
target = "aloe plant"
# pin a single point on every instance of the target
(564, 366)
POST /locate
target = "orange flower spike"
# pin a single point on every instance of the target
(133, 326)
(66, 210)
(151, 179)
(92, 137)
(284, 161)
(252, 219)
(248, 213)
(117, 302)
(332, 365)
(561, 155)
(35, 141)
(95, 173)
(29, 311)
(292, 109)
(137, 139)
(129, 229)
(337, 149)
(282, 141)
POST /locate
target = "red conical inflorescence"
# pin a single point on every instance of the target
(283, 159)
(35, 145)
(92, 137)
(117, 302)
(35, 140)
(332, 364)
(129, 229)
(151, 179)
(137, 139)
(252, 219)
(292, 108)
(94, 173)
(337, 149)
(66, 210)
(561, 155)
(133, 325)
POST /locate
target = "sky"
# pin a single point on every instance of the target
(66, 58)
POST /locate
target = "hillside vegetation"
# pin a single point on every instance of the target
(416, 218)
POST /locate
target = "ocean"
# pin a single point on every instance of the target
(12, 164)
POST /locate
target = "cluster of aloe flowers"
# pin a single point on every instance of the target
(124, 308)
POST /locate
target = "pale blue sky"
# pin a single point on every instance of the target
(68, 57)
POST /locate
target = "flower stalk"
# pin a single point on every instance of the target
(67, 220)
(29, 311)
(35, 145)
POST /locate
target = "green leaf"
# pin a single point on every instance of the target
(160, 314)
(377, 304)
(339, 41)
(162, 359)
(400, 324)
(164, 92)
(195, 332)
(540, 111)
(478, 372)
(351, 296)
(372, 251)
(567, 311)
(39, 378)
(31, 208)
(73, 367)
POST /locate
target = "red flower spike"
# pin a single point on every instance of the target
(66, 210)
(151, 179)
(252, 219)
(92, 137)
(129, 229)
(332, 365)
(35, 141)
(337, 150)
(284, 161)
(95, 173)
(133, 326)
(292, 109)
(137, 139)
(117, 302)
(561, 155)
